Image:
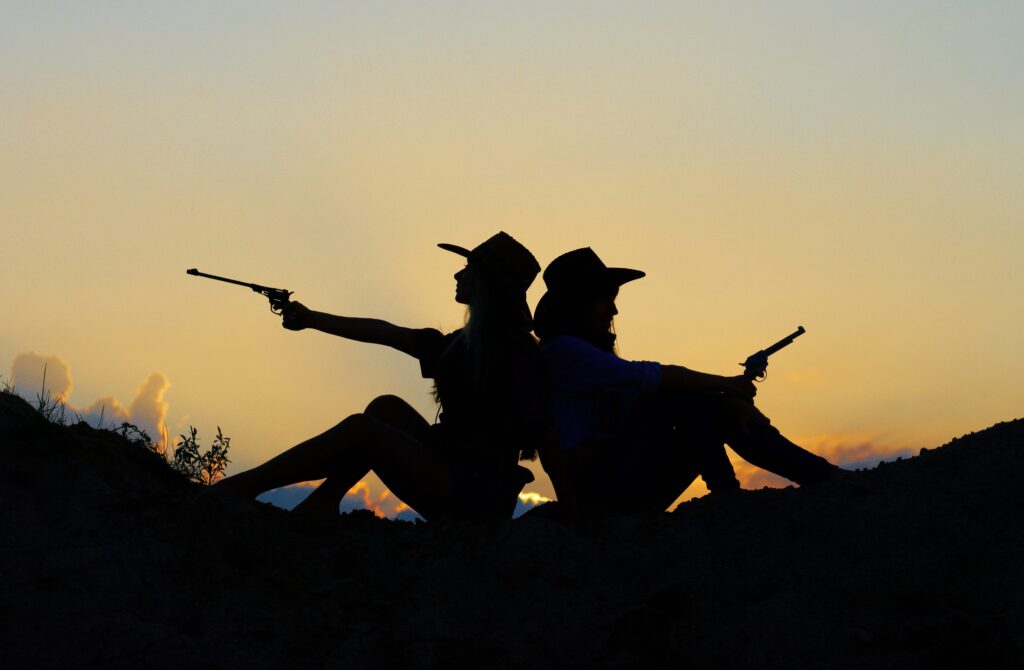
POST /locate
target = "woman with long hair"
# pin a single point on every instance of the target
(633, 435)
(487, 379)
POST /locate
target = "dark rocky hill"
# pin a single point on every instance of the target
(109, 559)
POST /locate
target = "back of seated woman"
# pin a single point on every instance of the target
(488, 382)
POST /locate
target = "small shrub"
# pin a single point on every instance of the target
(202, 467)
(53, 409)
(138, 437)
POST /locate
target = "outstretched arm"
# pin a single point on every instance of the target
(297, 316)
(580, 365)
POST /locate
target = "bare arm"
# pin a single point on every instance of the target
(297, 316)
(675, 378)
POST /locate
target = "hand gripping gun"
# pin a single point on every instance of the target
(756, 365)
(278, 296)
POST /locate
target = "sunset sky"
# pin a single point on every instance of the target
(852, 167)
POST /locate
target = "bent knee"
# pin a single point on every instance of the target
(352, 422)
(385, 404)
(738, 409)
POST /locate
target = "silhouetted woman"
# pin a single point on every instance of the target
(487, 380)
(633, 435)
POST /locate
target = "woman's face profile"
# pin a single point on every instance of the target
(601, 313)
(464, 279)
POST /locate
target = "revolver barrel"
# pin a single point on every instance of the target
(278, 296)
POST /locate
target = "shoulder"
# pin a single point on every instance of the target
(572, 350)
(431, 339)
(575, 361)
(566, 353)
(431, 345)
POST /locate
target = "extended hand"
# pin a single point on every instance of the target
(295, 316)
(740, 387)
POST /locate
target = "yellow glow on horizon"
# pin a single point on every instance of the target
(764, 175)
(533, 498)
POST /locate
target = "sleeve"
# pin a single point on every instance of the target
(430, 344)
(573, 363)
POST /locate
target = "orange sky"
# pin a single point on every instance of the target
(847, 167)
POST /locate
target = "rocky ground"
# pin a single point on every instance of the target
(110, 559)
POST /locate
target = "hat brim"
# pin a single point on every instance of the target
(455, 249)
(620, 276)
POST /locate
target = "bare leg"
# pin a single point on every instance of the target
(751, 435)
(393, 410)
(344, 454)
(388, 409)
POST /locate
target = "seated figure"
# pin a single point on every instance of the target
(488, 380)
(646, 427)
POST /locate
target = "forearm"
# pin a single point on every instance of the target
(677, 379)
(352, 328)
(374, 331)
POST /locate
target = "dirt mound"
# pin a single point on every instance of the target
(112, 559)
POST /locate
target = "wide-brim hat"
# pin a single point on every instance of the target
(581, 271)
(503, 258)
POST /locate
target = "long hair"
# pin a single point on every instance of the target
(496, 319)
(497, 330)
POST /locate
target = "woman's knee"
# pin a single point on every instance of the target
(384, 405)
(352, 425)
(397, 413)
(737, 409)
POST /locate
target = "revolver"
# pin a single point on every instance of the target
(756, 365)
(278, 296)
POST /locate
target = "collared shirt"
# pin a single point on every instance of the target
(592, 391)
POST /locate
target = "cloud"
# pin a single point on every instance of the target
(34, 375)
(363, 495)
(857, 451)
(381, 502)
(527, 501)
(105, 412)
(148, 409)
